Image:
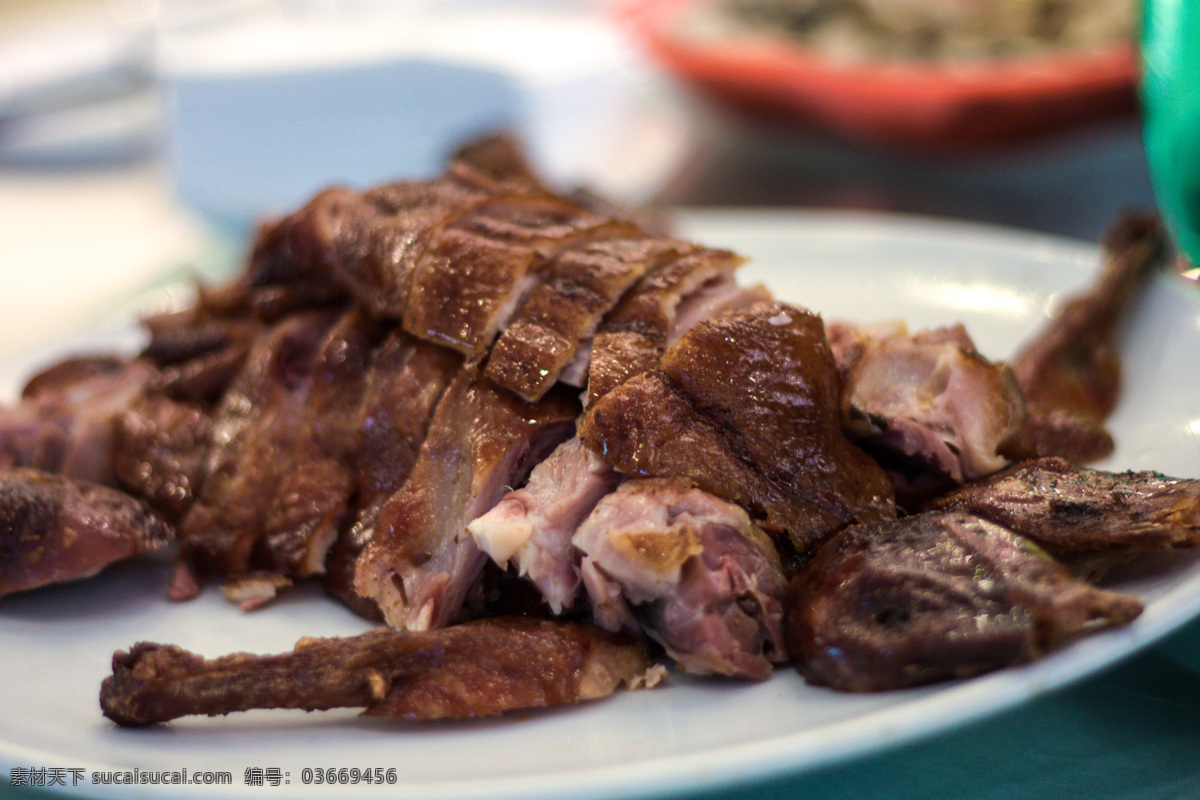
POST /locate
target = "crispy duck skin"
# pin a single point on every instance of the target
(748, 408)
(403, 384)
(1090, 518)
(633, 336)
(934, 597)
(480, 267)
(318, 474)
(160, 446)
(562, 313)
(362, 245)
(477, 669)
(1069, 373)
(55, 529)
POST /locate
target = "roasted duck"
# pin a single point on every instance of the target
(450, 397)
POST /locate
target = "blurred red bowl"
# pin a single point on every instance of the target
(916, 105)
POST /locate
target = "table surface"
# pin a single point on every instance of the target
(1130, 732)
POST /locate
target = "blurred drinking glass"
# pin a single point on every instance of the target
(1171, 103)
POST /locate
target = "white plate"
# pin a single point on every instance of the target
(691, 735)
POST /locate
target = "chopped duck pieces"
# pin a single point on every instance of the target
(692, 570)
(421, 562)
(932, 597)
(55, 529)
(64, 420)
(748, 407)
(1090, 518)
(531, 528)
(927, 404)
(477, 669)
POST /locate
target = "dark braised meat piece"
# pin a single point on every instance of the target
(480, 267)
(317, 474)
(1069, 372)
(934, 597)
(362, 245)
(55, 529)
(1090, 518)
(198, 351)
(478, 669)
(748, 407)
(421, 562)
(690, 570)
(561, 314)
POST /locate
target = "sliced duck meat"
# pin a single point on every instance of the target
(531, 527)
(693, 570)
(403, 384)
(481, 266)
(1070, 369)
(714, 298)
(583, 284)
(160, 452)
(421, 562)
(55, 529)
(933, 597)
(1090, 518)
(198, 353)
(477, 669)
(362, 245)
(632, 337)
(926, 404)
(748, 407)
(64, 420)
(318, 472)
(253, 429)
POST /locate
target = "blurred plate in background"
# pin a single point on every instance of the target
(914, 104)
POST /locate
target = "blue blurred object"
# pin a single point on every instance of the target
(247, 144)
(1171, 101)
(267, 108)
